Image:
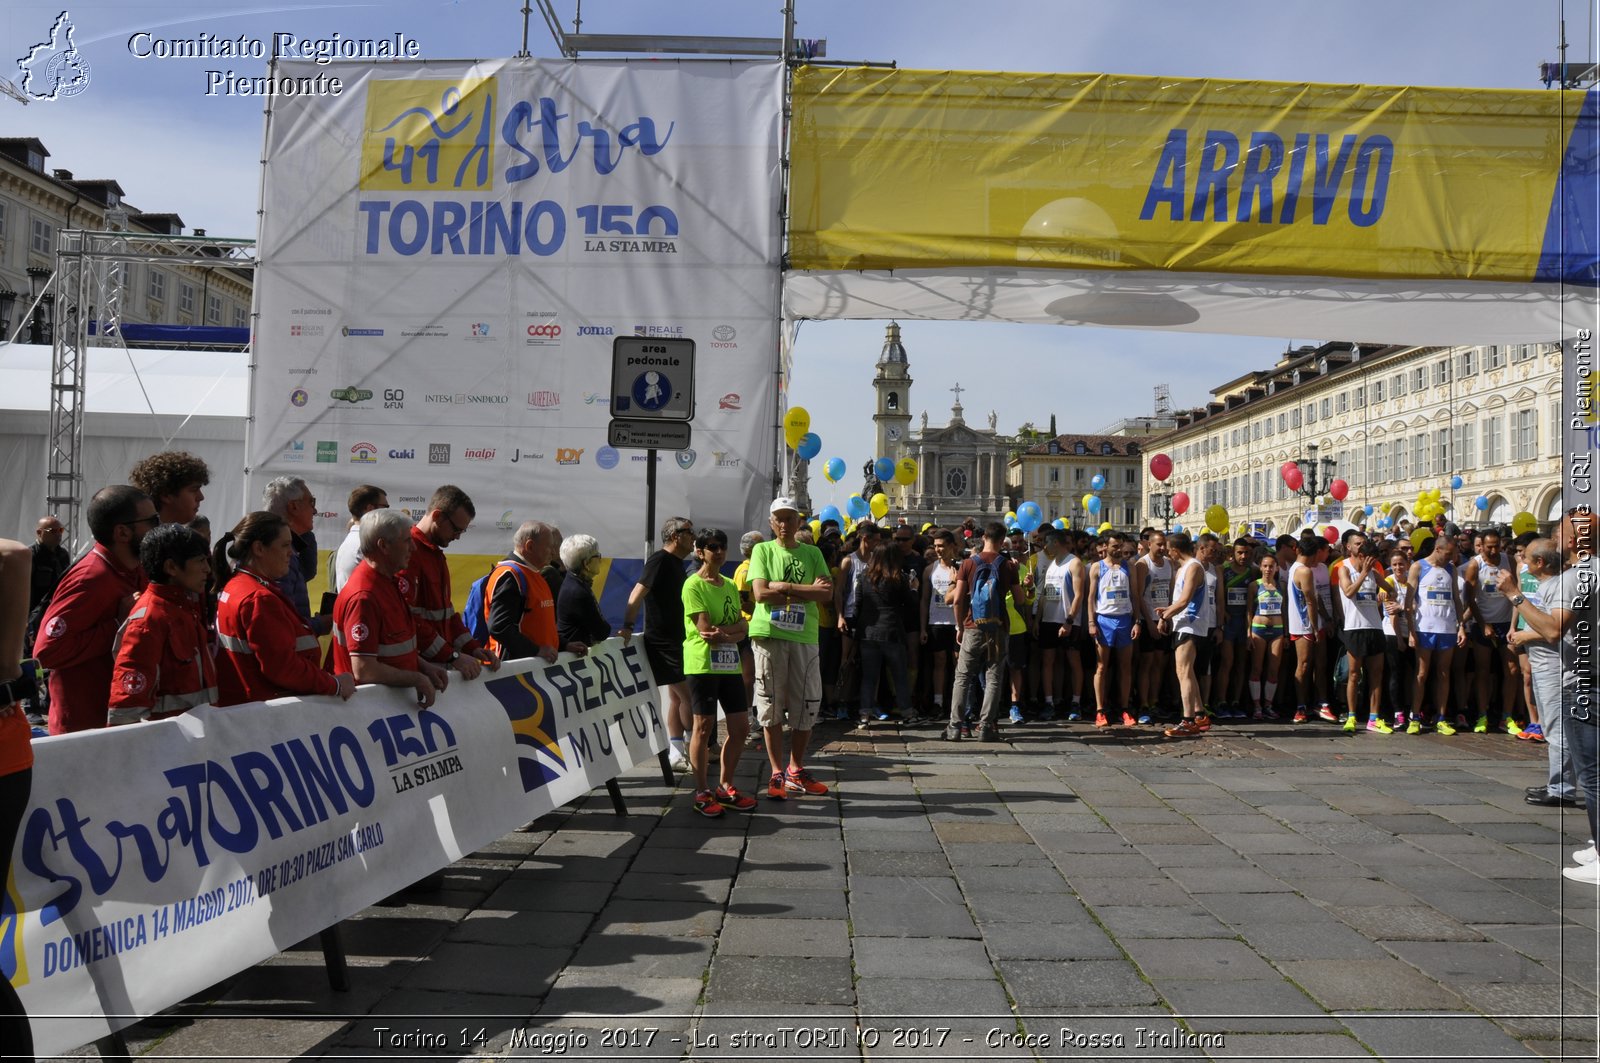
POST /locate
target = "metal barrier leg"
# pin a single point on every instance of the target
(333, 959)
(667, 776)
(616, 797)
(113, 1046)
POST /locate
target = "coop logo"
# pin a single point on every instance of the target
(306, 331)
(569, 456)
(54, 69)
(596, 330)
(327, 451)
(505, 522)
(438, 453)
(299, 397)
(723, 461)
(296, 451)
(607, 457)
(730, 401)
(478, 454)
(350, 395)
(544, 400)
(594, 398)
(364, 454)
(394, 398)
(723, 336)
(348, 331)
(550, 331)
(403, 455)
(479, 330)
(659, 331)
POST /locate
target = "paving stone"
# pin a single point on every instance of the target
(1107, 865)
(1352, 891)
(908, 840)
(1535, 1010)
(1138, 921)
(704, 888)
(1075, 983)
(1022, 941)
(1165, 856)
(967, 832)
(1287, 843)
(1294, 1046)
(1164, 834)
(1471, 961)
(1569, 949)
(831, 879)
(1360, 985)
(1248, 909)
(902, 996)
(1156, 892)
(647, 955)
(1126, 1033)
(638, 997)
(923, 957)
(1239, 880)
(890, 915)
(1196, 958)
(893, 864)
(996, 855)
(569, 843)
(1266, 1005)
(787, 903)
(1435, 1036)
(1058, 843)
(685, 862)
(1497, 906)
(1291, 941)
(1011, 880)
(488, 969)
(942, 889)
(549, 929)
(1042, 909)
(824, 980)
(302, 1037)
(669, 918)
(771, 936)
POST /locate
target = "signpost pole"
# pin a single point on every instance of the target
(649, 502)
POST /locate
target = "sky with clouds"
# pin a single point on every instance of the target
(151, 124)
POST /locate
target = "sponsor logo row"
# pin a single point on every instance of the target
(542, 330)
(395, 398)
(329, 451)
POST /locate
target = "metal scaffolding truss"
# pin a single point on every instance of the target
(90, 278)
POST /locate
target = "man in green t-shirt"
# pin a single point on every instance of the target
(788, 579)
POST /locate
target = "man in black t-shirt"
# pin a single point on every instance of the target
(660, 591)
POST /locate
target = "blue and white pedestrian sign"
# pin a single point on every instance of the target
(652, 378)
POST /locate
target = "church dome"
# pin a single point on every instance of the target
(894, 352)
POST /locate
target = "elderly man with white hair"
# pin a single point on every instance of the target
(289, 497)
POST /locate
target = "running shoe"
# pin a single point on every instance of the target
(1074, 717)
(1461, 720)
(1350, 723)
(1145, 719)
(1585, 856)
(775, 789)
(1513, 728)
(882, 716)
(966, 729)
(1016, 715)
(1481, 727)
(1270, 713)
(1185, 729)
(1399, 721)
(1048, 715)
(729, 797)
(705, 803)
(1589, 873)
(1533, 733)
(1202, 722)
(801, 782)
(1325, 712)
(1128, 720)
(1443, 727)
(1258, 714)
(1100, 720)
(1300, 715)
(1414, 727)
(1377, 726)
(678, 758)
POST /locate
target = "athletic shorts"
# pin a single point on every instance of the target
(708, 691)
(1318, 637)
(1362, 643)
(1497, 639)
(1115, 632)
(1204, 647)
(1434, 641)
(666, 661)
(788, 684)
(1049, 635)
(1267, 633)
(1235, 629)
(1151, 640)
(942, 638)
(1017, 651)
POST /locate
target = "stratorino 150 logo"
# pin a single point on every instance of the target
(430, 134)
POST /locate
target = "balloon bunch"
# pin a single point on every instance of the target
(1428, 506)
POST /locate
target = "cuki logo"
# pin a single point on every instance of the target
(730, 401)
(403, 455)
(364, 454)
(569, 456)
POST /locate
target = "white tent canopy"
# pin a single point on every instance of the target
(138, 402)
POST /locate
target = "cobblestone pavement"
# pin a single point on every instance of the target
(1266, 892)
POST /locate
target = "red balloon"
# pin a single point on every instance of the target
(1331, 534)
(1161, 467)
(1338, 489)
(1180, 502)
(1292, 479)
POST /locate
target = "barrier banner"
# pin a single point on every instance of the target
(449, 249)
(1193, 203)
(157, 859)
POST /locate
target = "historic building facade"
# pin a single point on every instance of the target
(1059, 472)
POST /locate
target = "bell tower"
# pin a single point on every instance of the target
(893, 385)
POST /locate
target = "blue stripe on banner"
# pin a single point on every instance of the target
(1572, 235)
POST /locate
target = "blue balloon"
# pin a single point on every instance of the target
(834, 470)
(1094, 503)
(1481, 502)
(1367, 510)
(831, 513)
(883, 469)
(1456, 482)
(1178, 528)
(857, 507)
(1098, 482)
(1060, 522)
(810, 446)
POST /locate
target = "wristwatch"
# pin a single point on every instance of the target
(1518, 600)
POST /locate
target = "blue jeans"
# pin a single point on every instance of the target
(1583, 741)
(874, 655)
(1552, 719)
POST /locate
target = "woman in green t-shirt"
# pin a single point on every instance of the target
(713, 626)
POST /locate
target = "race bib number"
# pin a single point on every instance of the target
(1269, 608)
(725, 658)
(1365, 595)
(1116, 594)
(1052, 592)
(1235, 596)
(790, 618)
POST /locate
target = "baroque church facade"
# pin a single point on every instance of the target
(961, 469)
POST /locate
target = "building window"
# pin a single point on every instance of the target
(1469, 362)
(1397, 384)
(1522, 352)
(1343, 403)
(241, 317)
(1419, 455)
(1402, 459)
(1283, 422)
(1327, 409)
(1380, 463)
(1077, 475)
(1466, 447)
(2, 219)
(156, 287)
(1377, 391)
(1419, 378)
(1130, 477)
(1266, 427)
(1527, 429)
(186, 299)
(1055, 476)
(1311, 413)
(1496, 357)
(955, 483)
(1294, 417)
(1441, 372)
(1130, 516)
(1079, 448)
(1360, 397)
(1255, 431)
(1555, 427)
(213, 309)
(892, 402)
(1441, 450)
(43, 238)
(1493, 441)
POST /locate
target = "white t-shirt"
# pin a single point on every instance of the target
(347, 558)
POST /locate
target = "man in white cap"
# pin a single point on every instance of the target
(788, 579)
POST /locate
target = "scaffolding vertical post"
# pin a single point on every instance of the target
(64, 481)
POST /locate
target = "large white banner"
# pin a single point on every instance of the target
(156, 859)
(448, 251)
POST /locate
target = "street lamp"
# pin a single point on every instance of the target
(1315, 474)
(8, 299)
(1161, 509)
(38, 276)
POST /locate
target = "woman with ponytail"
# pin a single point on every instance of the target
(266, 649)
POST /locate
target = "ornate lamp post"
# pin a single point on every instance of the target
(1315, 474)
(1161, 509)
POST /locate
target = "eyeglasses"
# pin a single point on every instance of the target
(461, 529)
(682, 532)
(716, 548)
(152, 519)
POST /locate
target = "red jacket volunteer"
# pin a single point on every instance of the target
(372, 619)
(441, 633)
(76, 635)
(267, 649)
(163, 660)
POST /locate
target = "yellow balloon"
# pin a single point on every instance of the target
(1418, 536)
(879, 505)
(1105, 526)
(816, 529)
(1217, 518)
(1523, 523)
(926, 525)
(796, 423)
(1086, 501)
(905, 472)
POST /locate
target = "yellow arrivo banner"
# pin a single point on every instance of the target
(909, 169)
